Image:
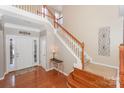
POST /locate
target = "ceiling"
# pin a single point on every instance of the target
(20, 21)
(14, 18)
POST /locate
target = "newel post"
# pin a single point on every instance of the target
(82, 55)
(121, 48)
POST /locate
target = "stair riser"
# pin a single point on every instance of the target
(83, 81)
(70, 85)
(94, 84)
(86, 74)
(91, 80)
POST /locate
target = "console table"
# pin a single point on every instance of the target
(58, 64)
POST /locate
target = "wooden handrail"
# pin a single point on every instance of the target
(72, 36)
(45, 14)
(49, 10)
(53, 16)
(80, 43)
(63, 29)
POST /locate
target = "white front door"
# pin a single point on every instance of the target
(21, 52)
(24, 52)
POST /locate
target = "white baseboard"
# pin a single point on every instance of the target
(3, 76)
(105, 65)
(45, 70)
(61, 71)
(117, 79)
(49, 69)
(56, 70)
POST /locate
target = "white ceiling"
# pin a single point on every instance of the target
(20, 21)
(13, 17)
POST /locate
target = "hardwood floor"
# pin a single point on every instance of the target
(37, 78)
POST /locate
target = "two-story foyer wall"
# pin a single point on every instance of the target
(85, 21)
(2, 64)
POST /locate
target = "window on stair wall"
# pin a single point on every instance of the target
(59, 17)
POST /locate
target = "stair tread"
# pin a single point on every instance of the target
(100, 84)
(98, 80)
(83, 80)
(92, 76)
(75, 84)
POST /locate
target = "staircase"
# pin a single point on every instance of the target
(78, 78)
(83, 79)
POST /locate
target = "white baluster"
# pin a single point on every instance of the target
(78, 53)
(70, 44)
(30, 8)
(68, 41)
(27, 8)
(66, 38)
(75, 48)
(24, 7)
(73, 44)
(20, 7)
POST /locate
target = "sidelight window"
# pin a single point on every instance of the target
(11, 52)
(35, 51)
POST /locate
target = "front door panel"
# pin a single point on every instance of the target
(24, 52)
(21, 52)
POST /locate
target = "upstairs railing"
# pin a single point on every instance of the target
(76, 46)
(28, 8)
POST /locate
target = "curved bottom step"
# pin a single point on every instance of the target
(82, 79)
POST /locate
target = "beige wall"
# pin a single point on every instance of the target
(61, 51)
(64, 54)
(2, 63)
(85, 21)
